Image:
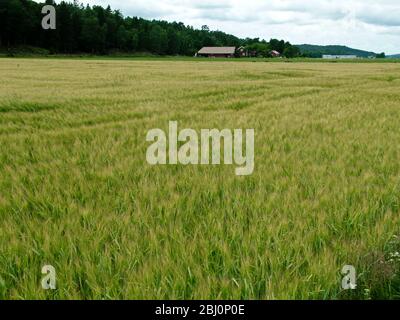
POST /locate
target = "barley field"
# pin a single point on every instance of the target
(77, 193)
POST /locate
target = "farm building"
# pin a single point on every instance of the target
(217, 52)
(275, 53)
(329, 56)
(242, 52)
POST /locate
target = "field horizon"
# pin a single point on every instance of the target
(180, 58)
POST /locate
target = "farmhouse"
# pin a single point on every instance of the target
(217, 52)
(242, 52)
(275, 53)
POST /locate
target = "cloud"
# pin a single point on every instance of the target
(212, 5)
(381, 18)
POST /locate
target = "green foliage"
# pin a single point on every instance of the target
(259, 48)
(291, 52)
(263, 48)
(98, 30)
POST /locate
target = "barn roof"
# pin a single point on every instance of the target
(217, 50)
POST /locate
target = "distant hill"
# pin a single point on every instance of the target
(394, 56)
(318, 51)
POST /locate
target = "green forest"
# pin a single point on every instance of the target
(96, 30)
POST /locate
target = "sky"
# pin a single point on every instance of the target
(372, 25)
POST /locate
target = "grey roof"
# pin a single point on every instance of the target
(217, 50)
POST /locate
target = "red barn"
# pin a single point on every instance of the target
(275, 53)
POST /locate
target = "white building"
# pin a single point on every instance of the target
(329, 56)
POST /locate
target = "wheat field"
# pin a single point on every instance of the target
(77, 193)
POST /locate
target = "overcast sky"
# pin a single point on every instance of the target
(365, 24)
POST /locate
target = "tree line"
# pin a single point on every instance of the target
(98, 30)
